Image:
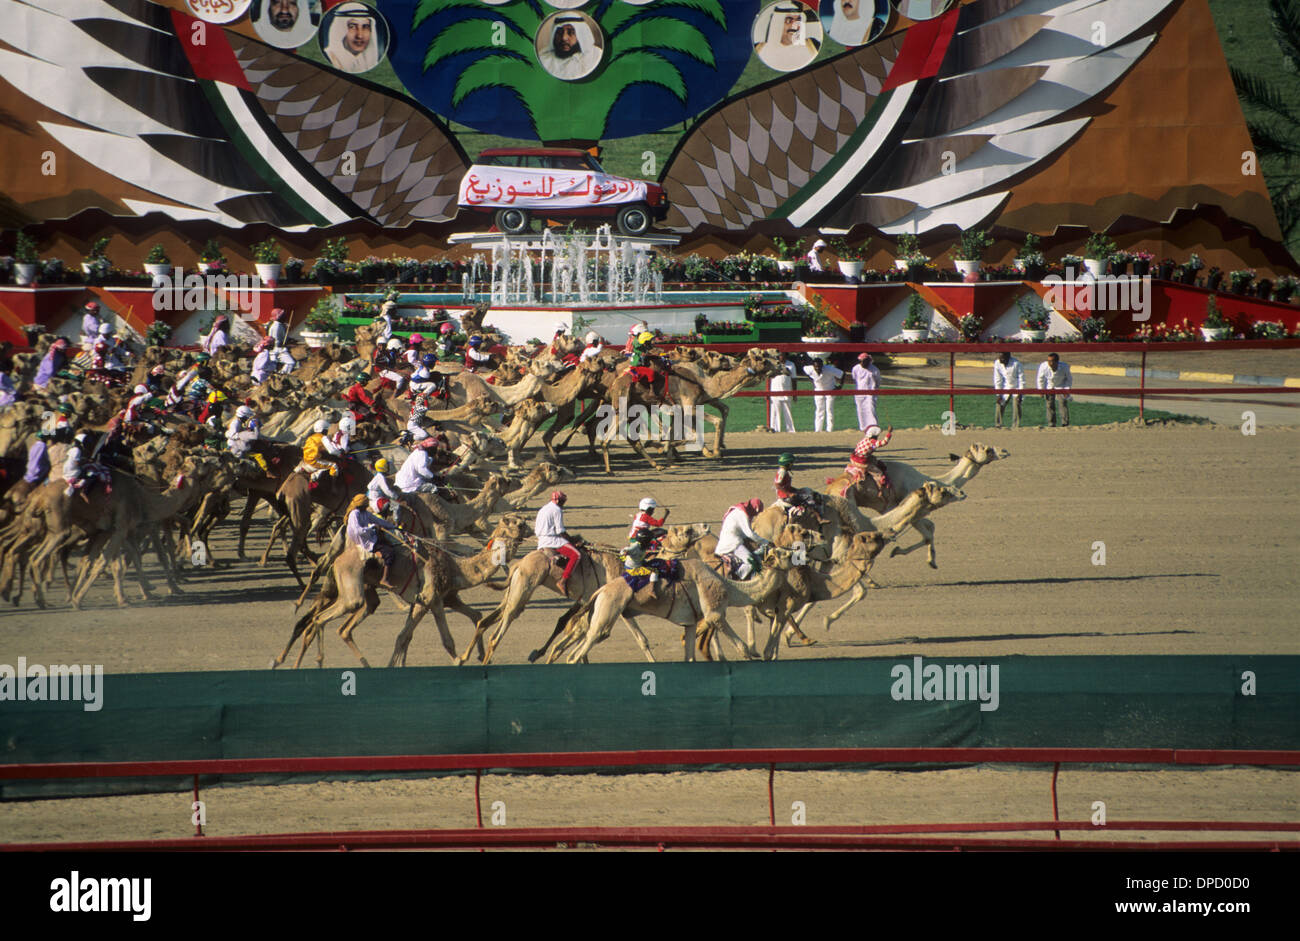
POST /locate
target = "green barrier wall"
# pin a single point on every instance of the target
(1156, 702)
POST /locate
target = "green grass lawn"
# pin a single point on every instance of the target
(917, 411)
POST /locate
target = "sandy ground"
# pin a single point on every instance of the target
(1200, 530)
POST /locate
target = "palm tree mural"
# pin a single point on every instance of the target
(1275, 129)
(636, 39)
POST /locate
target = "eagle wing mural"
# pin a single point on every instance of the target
(928, 127)
(222, 127)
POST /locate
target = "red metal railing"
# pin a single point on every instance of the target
(806, 837)
(952, 390)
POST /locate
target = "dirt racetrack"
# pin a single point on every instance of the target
(1199, 523)
(1200, 529)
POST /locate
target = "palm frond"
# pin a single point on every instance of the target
(642, 65)
(1285, 18)
(470, 36)
(1263, 94)
(520, 15)
(498, 69)
(619, 14)
(1270, 141)
(659, 32)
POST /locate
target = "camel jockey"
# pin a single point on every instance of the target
(863, 461)
(736, 534)
(213, 409)
(135, 406)
(788, 496)
(378, 487)
(262, 365)
(52, 363)
(643, 522)
(595, 345)
(363, 531)
(633, 332)
(278, 332)
(242, 431)
(474, 356)
(38, 463)
(646, 366)
(8, 394)
(217, 337)
(337, 443)
(448, 339)
(156, 379)
(316, 458)
(415, 429)
(385, 362)
(107, 352)
(427, 381)
(362, 403)
(61, 427)
(549, 527)
(560, 331)
(90, 325)
(412, 354)
(417, 475)
(81, 471)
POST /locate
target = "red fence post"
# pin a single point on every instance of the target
(478, 807)
(198, 827)
(952, 365)
(1142, 388)
(1056, 817)
(771, 799)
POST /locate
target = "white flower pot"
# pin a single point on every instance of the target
(24, 274)
(1214, 333)
(1096, 266)
(268, 273)
(784, 265)
(1033, 336)
(316, 339)
(915, 336)
(819, 355)
(851, 269)
(901, 264)
(966, 267)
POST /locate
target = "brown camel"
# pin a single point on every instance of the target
(698, 600)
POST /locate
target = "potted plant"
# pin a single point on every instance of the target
(1214, 278)
(266, 258)
(156, 263)
(970, 327)
(1072, 266)
(1268, 330)
(1167, 269)
(1285, 287)
(850, 259)
(1190, 269)
(1030, 261)
(1093, 330)
(969, 252)
(1216, 325)
(787, 253)
(210, 257)
(1239, 281)
(916, 325)
(1096, 250)
(321, 324)
(817, 324)
(908, 249)
(1034, 318)
(1141, 262)
(96, 264)
(1117, 264)
(158, 333)
(24, 259)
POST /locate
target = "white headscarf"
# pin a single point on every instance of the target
(794, 56)
(922, 9)
(849, 32)
(581, 62)
(308, 23)
(339, 55)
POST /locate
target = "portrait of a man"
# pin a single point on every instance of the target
(569, 45)
(857, 22)
(354, 37)
(285, 24)
(787, 36)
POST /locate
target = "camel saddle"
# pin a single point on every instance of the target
(644, 580)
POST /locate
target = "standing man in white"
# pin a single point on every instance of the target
(824, 378)
(866, 377)
(779, 405)
(1008, 374)
(1055, 374)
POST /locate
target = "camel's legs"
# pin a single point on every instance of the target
(926, 528)
(250, 504)
(859, 592)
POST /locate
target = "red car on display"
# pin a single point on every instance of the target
(518, 183)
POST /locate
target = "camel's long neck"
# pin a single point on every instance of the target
(842, 576)
(731, 382)
(755, 591)
(901, 515)
(961, 472)
(479, 567)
